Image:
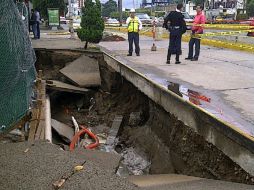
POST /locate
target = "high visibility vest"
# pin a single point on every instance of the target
(133, 25)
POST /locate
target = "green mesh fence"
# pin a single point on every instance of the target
(17, 71)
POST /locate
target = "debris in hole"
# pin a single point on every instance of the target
(136, 163)
(76, 129)
(110, 143)
(102, 138)
(61, 86)
(92, 102)
(77, 136)
(83, 72)
(62, 129)
(135, 118)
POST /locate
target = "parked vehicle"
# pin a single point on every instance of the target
(160, 21)
(63, 20)
(251, 24)
(76, 24)
(112, 22)
(188, 19)
(248, 21)
(144, 18)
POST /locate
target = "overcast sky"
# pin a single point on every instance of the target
(127, 3)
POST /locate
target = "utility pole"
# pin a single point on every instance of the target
(71, 30)
(133, 2)
(120, 10)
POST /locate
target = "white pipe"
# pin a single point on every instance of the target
(48, 132)
(76, 126)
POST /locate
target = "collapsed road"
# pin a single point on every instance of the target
(141, 135)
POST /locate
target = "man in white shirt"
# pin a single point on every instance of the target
(134, 26)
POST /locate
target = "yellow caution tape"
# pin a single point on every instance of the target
(223, 26)
(205, 41)
(221, 33)
(224, 44)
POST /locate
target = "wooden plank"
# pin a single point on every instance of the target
(61, 86)
(33, 124)
(63, 129)
(42, 137)
(83, 72)
(42, 114)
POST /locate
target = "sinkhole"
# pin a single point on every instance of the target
(150, 140)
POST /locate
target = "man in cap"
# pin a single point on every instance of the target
(134, 26)
(176, 25)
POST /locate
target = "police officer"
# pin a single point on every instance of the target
(134, 26)
(176, 25)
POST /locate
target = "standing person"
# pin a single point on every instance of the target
(34, 24)
(38, 21)
(176, 27)
(134, 26)
(199, 19)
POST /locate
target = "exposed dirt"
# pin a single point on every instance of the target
(175, 148)
(113, 38)
(52, 61)
(171, 146)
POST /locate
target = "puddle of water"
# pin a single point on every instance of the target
(200, 100)
(206, 103)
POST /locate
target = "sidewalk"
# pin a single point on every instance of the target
(225, 77)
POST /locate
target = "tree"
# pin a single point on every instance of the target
(109, 7)
(117, 15)
(199, 2)
(43, 6)
(92, 25)
(250, 8)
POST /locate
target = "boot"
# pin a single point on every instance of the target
(177, 59)
(168, 57)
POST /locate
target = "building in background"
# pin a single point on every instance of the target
(73, 9)
(81, 4)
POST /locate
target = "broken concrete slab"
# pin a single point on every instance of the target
(45, 163)
(63, 130)
(64, 87)
(110, 143)
(84, 72)
(175, 182)
(107, 161)
(161, 179)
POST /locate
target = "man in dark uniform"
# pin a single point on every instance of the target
(176, 25)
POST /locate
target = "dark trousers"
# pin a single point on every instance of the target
(34, 28)
(38, 30)
(174, 47)
(192, 42)
(133, 37)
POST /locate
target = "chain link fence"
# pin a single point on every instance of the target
(17, 70)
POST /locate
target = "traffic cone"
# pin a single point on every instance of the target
(153, 48)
